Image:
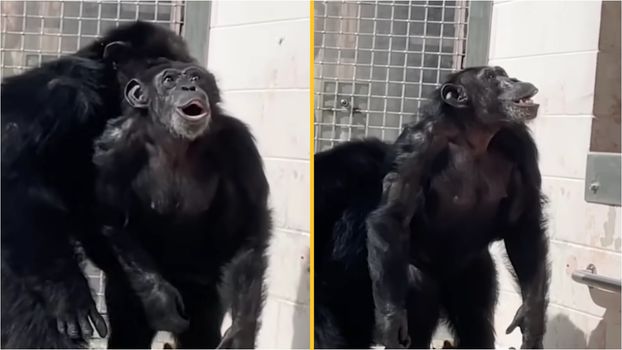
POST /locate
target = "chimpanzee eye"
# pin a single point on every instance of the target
(194, 78)
(491, 75)
(168, 79)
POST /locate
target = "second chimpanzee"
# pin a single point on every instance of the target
(50, 117)
(184, 184)
(462, 176)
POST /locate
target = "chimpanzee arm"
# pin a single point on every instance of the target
(244, 284)
(244, 276)
(388, 240)
(388, 244)
(527, 249)
(162, 302)
(41, 110)
(527, 245)
(119, 155)
(46, 262)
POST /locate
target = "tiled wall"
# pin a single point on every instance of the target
(554, 45)
(259, 52)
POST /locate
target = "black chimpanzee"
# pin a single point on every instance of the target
(184, 184)
(50, 117)
(403, 230)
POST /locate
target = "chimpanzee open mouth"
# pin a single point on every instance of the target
(193, 110)
(527, 107)
(526, 101)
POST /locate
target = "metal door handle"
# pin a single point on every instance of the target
(592, 279)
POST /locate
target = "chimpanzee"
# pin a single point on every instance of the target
(405, 233)
(50, 117)
(183, 183)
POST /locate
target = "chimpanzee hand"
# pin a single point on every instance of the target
(164, 307)
(237, 337)
(388, 225)
(394, 331)
(532, 333)
(228, 339)
(73, 314)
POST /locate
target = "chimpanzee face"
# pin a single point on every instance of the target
(491, 95)
(177, 95)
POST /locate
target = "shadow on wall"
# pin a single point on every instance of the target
(300, 338)
(562, 333)
(607, 333)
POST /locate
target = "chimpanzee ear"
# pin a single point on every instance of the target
(117, 51)
(135, 95)
(454, 95)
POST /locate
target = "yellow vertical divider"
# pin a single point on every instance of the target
(311, 159)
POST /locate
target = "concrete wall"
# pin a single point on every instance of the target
(259, 52)
(554, 45)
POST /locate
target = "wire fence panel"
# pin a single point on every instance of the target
(375, 61)
(34, 32)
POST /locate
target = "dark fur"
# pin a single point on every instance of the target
(422, 255)
(50, 117)
(197, 210)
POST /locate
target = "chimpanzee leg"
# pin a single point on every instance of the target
(423, 307)
(469, 298)
(205, 312)
(128, 324)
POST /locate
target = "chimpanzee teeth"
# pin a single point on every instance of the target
(524, 101)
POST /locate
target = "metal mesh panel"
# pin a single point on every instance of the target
(34, 32)
(375, 61)
(37, 31)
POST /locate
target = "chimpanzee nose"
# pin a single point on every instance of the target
(188, 88)
(530, 87)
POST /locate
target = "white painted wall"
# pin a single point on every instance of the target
(259, 52)
(554, 44)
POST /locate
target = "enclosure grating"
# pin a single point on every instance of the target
(375, 62)
(33, 32)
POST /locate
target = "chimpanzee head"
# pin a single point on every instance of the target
(489, 95)
(134, 47)
(181, 96)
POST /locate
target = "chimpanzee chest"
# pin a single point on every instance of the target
(175, 185)
(462, 208)
(468, 187)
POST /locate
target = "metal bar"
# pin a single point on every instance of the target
(590, 278)
(196, 28)
(478, 34)
(356, 55)
(388, 70)
(177, 15)
(459, 50)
